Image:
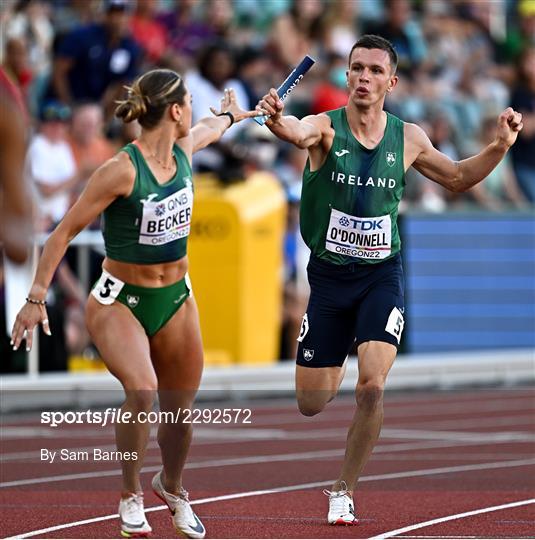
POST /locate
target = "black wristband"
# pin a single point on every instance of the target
(230, 115)
(34, 301)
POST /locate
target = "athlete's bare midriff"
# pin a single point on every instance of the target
(147, 275)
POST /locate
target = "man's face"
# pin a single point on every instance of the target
(117, 21)
(370, 76)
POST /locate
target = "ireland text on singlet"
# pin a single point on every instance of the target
(152, 224)
(349, 207)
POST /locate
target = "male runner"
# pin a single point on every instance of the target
(352, 185)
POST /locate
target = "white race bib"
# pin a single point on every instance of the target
(395, 323)
(363, 237)
(166, 220)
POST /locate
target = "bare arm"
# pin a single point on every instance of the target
(114, 179)
(15, 205)
(305, 133)
(210, 129)
(461, 175)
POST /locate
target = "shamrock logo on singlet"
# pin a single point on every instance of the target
(344, 221)
(160, 210)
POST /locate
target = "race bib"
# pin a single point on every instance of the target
(107, 288)
(166, 220)
(363, 237)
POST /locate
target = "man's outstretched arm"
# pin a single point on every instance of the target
(303, 133)
(462, 175)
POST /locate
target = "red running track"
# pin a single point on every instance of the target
(448, 464)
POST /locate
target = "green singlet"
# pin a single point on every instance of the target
(152, 224)
(349, 206)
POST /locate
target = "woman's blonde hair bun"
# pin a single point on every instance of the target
(134, 106)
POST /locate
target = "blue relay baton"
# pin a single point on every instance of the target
(290, 83)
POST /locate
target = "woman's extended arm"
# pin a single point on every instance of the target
(114, 179)
(210, 129)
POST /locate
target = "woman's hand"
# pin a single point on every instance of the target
(27, 319)
(229, 104)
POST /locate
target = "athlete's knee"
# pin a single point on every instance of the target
(370, 394)
(140, 400)
(312, 403)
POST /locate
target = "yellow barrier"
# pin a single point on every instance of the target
(235, 254)
(85, 363)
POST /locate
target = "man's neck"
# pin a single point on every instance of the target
(367, 124)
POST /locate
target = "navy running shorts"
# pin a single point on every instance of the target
(350, 304)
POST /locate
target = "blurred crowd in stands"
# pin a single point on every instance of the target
(461, 63)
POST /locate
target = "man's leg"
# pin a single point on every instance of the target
(375, 360)
(315, 387)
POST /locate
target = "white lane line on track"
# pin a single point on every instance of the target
(231, 434)
(436, 521)
(505, 436)
(493, 421)
(283, 489)
(248, 460)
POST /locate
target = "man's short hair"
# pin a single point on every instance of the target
(371, 41)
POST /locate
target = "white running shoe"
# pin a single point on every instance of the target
(341, 507)
(184, 518)
(132, 515)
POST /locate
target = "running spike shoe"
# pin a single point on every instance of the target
(184, 519)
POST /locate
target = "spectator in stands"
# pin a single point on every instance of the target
(341, 26)
(520, 34)
(30, 22)
(253, 72)
(51, 165)
(441, 135)
(331, 92)
(219, 14)
(297, 32)
(94, 62)
(73, 14)
(88, 145)
(523, 99)
(52, 170)
(149, 34)
(404, 34)
(216, 70)
(187, 33)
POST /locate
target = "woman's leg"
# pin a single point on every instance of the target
(124, 348)
(177, 354)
